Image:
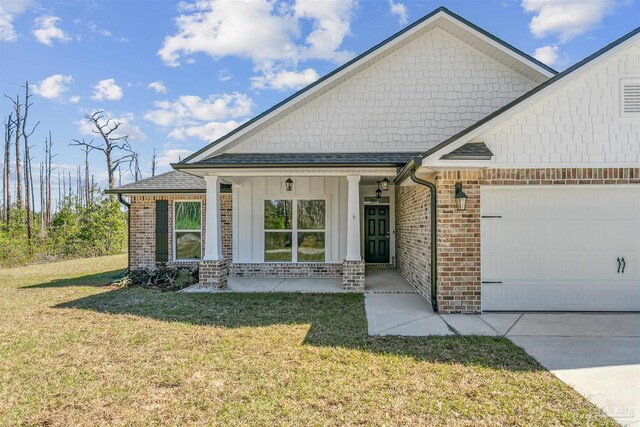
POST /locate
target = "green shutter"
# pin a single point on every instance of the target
(162, 230)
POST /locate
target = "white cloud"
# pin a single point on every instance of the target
(127, 126)
(204, 118)
(46, 30)
(158, 87)
(9, 9)
(566, 18)
(283, 80)
(171, 155)
(548, 55)
(224, 75)
(107, 90)
(207, 132)
(191, 109)
(74, 99)
(53, 86)
(93, 27)
(400, 10)
(276, 41)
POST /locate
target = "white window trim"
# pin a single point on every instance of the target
(294, 228)
(176, 231)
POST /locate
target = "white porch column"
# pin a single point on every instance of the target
(213, 227)
(353, 219)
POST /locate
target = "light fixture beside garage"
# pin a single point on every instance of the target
(385, 184)
(289, 184)
(461, 197)
(378, 191)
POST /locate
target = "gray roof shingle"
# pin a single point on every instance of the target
(312, 159)
(170, 182)
(470, 151)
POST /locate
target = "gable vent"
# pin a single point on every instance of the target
(630, 97)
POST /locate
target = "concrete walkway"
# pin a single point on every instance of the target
(269, 285)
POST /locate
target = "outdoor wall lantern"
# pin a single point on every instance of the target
(378, 191)
(289, 184)
(385, 184)
(461, 198)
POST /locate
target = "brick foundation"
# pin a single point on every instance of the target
(283, 269)
(213, 274)
(353, 276)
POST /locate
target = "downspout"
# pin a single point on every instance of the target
(128, 206)
(410, 169)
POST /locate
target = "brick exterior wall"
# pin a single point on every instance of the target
(413, 236)
(459, 261)
(353, 276)
(281, 269)
(213, 274)
(143, 226)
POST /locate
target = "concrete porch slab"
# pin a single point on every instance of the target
(309, 285)
(379, 279)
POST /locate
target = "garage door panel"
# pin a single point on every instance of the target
(562, 234)
(574, 297)
(576, 266)
(556, 247)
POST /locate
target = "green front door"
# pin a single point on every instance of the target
(376, 232)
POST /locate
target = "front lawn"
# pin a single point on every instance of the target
(76, 353)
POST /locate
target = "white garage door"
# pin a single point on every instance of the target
(570, 248)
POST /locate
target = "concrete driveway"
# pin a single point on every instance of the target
(596, 354)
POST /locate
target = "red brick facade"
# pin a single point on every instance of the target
(459, 273)
(143, 223)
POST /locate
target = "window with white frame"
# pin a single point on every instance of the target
(187, 231)
(294, 230)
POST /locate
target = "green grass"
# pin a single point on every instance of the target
(76, 353)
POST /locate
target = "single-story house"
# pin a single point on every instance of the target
(489, 180)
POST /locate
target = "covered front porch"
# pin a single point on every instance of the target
(297, 230)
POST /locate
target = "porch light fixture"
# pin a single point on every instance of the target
(289, 184)
(378, 191)
(461, 198)
(385, 184)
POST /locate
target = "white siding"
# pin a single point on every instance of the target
(577, 125)
(409, 100)
(248, 212)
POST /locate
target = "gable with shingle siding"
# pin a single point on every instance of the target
(411, 99)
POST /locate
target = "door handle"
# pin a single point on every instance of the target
(624, 264)
(618, 264)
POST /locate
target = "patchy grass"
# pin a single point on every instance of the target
(76, 353)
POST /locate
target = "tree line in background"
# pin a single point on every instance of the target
(81, 221)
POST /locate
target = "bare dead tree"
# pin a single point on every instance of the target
(116, 149)
(6, 178)
(119, 177)
(18, 127)
(87, 189)
(48, 151)
(43, 198)
(154, 163)
(28, 172)
(135, 165)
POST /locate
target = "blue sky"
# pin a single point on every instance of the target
(178, 75)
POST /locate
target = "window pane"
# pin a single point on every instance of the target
(188, 245)
(277, 246)
(311, 247)
(187, 216)
(277, 214)
(311, 214)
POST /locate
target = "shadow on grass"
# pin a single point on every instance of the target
(98, 279)
(336, 320)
